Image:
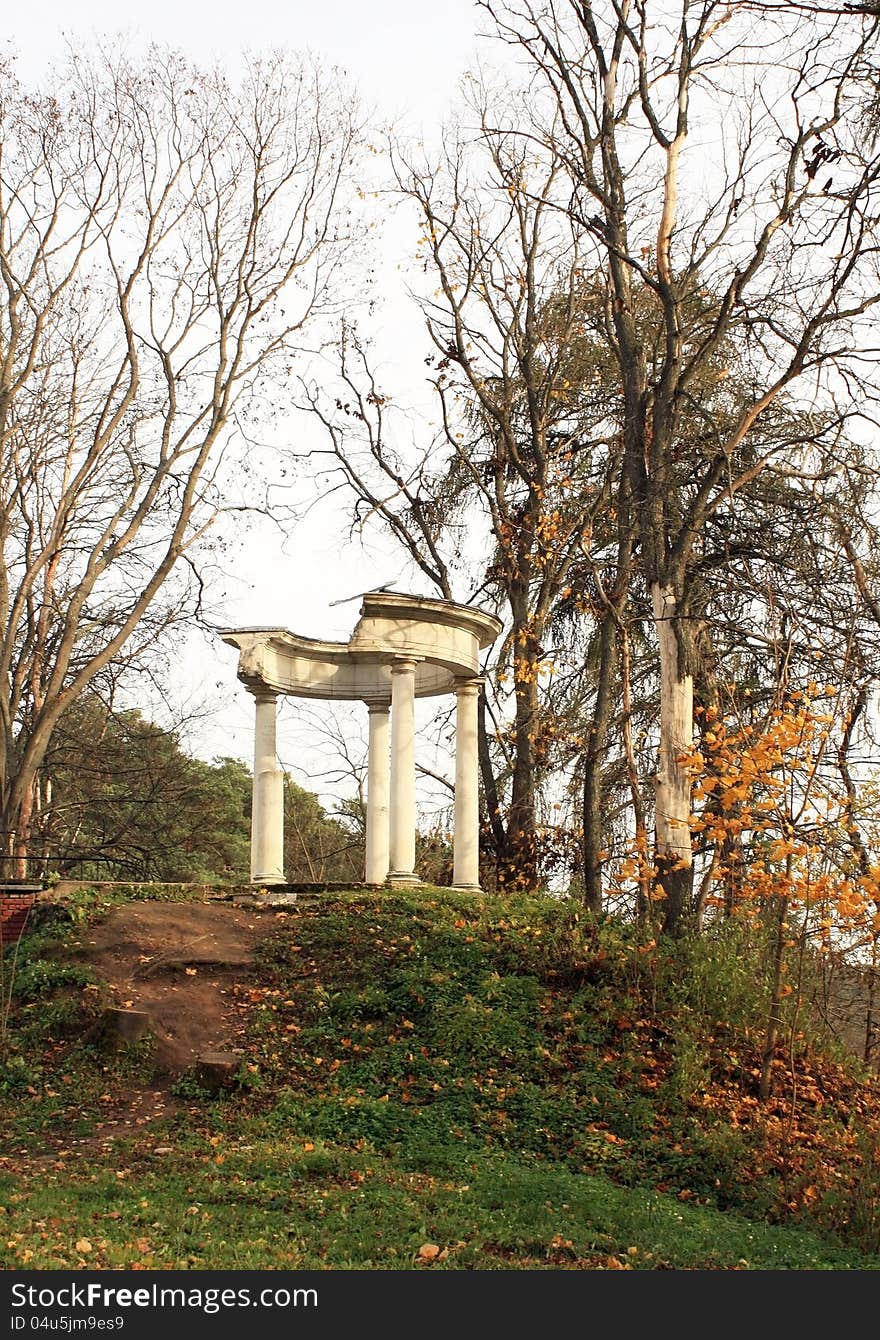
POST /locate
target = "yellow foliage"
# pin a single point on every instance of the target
(764, 793)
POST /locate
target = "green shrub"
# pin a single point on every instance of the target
(19, 1074)
(39, 978)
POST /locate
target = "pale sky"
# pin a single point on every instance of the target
(405, 58)
(402, 54)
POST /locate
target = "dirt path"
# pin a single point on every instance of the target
(180, 962)
(189, 967)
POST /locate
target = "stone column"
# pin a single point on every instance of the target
(466, 838)
(403, 773)
(267, 809)
(377, 859)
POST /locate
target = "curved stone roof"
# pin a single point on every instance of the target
(443, 638)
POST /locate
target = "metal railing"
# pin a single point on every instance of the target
(42, 861)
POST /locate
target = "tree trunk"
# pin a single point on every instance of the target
(594, 759)
(643, 875)
(15, 824)
(521, 856)
(774, 1016)
(22, 832)
(490, 785)
(871, 1006)
(673, 782)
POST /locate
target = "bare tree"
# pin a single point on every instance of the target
(522, 378)
(525, 458)
(165, 236)
(763, 232)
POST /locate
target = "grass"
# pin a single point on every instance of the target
(498, 1079)
(274, 1205)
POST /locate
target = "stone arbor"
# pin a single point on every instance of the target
(403, 647)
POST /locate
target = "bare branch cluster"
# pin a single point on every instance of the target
(165, 237)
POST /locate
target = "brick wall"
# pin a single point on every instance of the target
(14, 911)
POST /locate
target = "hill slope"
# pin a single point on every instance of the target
(431, 1080)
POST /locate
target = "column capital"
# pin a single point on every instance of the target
(473, 684)
(405, 665)
(377, 704)
(263, 695)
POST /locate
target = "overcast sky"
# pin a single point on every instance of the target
(404, 55)
(406, 59)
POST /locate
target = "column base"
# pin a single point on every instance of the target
(466, 888)
(268, 879)
(403, 879)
